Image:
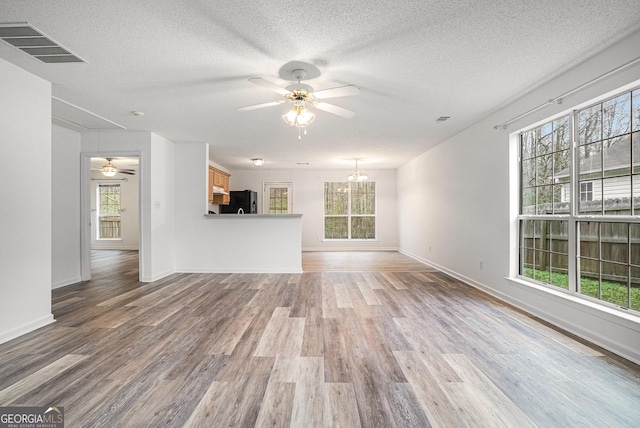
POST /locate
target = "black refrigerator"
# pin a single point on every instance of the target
(245, 199)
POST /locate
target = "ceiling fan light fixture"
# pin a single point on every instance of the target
(108, 169)
(305, 117)
(290, 117)
(301, 94)
(299, 115)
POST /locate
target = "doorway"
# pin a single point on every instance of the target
(110, 209)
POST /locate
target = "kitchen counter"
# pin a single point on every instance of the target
(252, 216)
(242, 243)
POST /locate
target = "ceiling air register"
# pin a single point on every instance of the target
(35, 43)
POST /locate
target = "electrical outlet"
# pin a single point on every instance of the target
(429, 248)
(481, 264)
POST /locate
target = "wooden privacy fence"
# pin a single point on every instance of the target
(545, 246)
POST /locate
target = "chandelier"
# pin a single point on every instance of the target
(108, 169)
(357, 175)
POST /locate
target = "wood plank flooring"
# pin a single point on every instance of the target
(360, 261)
(371, 340)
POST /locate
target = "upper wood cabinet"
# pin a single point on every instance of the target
(219, 179)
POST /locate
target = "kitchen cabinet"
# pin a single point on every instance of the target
(218, 186)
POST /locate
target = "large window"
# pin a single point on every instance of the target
(580, 202)
(109, 211)
(350, 210)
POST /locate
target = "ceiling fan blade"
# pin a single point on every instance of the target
(126, 172)
(341, 91)
(340, 111)
(268, 85)
(257, 106)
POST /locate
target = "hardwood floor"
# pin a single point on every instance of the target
(361, 261)
(391, 344)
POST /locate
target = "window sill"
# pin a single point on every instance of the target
(609, 313)
(349, 240)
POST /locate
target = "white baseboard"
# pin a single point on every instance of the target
(119, 247)
(157, 277)
(239, 270)
(8, 335)
(335, 249)
(64, 283)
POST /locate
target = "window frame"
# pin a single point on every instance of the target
(575, 218)
(99, 215)
(587, 192)
(266, 195)
(349, 214)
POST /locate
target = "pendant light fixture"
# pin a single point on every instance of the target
(357, 175)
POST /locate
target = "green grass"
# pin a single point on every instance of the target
(611, 291)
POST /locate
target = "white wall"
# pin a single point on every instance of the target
(457, 206)
(25, 208)
(163, 207)
(129, 196)
(156, 177)
(308, 188)
(65, 209)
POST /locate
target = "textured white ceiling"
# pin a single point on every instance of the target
(185, 64)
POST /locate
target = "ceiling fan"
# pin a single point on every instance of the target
(109, 169)
(302, 95)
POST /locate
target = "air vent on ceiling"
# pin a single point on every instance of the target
(442, 118)
(35, 43)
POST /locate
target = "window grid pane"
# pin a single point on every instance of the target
(363, 227)
(607, 269)
(608, 155)
(363, 197)
(336, 228)
(336, 198)
(349, 210)
(109, 211)
(544, 251)
(278, 200)
(544, 170)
